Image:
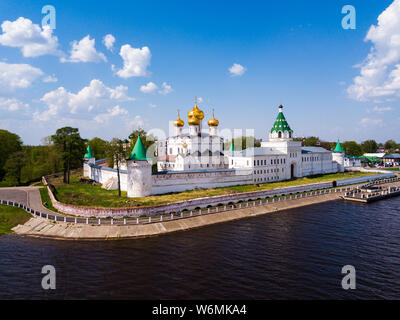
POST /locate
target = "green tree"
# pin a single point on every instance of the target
(328, 145)
(9, 144)
(369, 146)
(72, 148)
(390, 146)
(14, 165)
(352, 148)
(117, 152)
(311, 142)
(99, 147)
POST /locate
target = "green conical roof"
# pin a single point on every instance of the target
(338, 148)
(232, 148)
(89, 153)
(138, 151)
(280, 123)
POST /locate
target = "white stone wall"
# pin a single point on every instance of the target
(352, 162)
(181, 181)
(103, 174)
(339, 159)
(318, 163)
(139, 180)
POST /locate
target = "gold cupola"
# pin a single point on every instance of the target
(195, 115)
(178, 122)
(213, 122)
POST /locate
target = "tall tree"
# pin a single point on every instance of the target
(9, 144)
(390, 146)
(369, 146)
(14, 165)
(72, 148)
(99, 147)
(311, 142)
(117, 152)
(352, 148)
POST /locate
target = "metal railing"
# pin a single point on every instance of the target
(234, 205)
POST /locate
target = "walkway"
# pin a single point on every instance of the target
(29, 196)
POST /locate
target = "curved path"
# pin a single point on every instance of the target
(29, 196)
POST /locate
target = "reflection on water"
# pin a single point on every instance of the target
(295, 254)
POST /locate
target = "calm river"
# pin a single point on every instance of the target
(293, 254)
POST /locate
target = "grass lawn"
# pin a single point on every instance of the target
(46, 199)
(82, 194)
(11, 217)
(391, 169)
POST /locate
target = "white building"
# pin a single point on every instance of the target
(193, 150)
(196, 160)
(282, 158)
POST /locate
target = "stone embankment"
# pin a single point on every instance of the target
(201, 203)
(39, 227)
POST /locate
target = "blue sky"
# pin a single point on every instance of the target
(296, 51)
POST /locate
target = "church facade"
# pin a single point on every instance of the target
(194, 158)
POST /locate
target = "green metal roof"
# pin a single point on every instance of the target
(281, 123)
(338, 148)
(138, 151)
(232, 147)
(89, 153)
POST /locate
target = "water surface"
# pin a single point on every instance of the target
(293, 254)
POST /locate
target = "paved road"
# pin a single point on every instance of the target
(29, 196)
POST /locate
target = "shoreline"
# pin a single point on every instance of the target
(41, 228)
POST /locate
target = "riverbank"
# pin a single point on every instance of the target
(42, 228)
(11, 217)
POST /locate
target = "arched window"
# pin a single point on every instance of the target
(280, 134)
(290, 134)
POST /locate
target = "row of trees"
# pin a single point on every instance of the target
(352, 147)
(62, 151)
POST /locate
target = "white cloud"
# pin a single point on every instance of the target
(149, 87)
(113, 112)
(152, 105)
(166, 88)
(108, 41)
(12, 105)
(200, 99)
(237, 70)
(368, 122)
(89, 102)
(84, 51)
(136, 61)
(380, 71)
(13, 76)
(377, 109)
(49, 78)
(31, 38)
(136, 123)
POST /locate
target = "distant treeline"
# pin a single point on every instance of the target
(21, 164)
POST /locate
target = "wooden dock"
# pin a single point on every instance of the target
(370, 193)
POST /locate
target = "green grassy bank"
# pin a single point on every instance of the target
(11, 217)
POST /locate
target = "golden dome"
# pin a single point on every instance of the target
(195, 115)
(213, 122)
(178, 122)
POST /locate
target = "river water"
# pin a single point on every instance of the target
(293, 254)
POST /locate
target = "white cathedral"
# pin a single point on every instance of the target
(195, 159)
